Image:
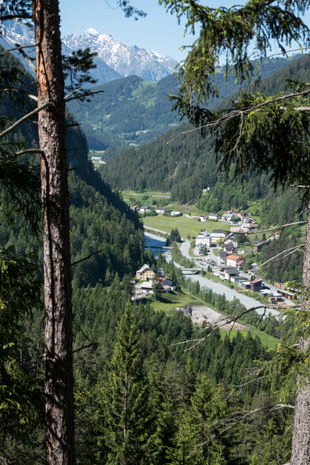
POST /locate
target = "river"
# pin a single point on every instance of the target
(230, 294)
(156, 242)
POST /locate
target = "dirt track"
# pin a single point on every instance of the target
(202, 313)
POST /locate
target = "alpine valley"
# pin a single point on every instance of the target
(152, 384)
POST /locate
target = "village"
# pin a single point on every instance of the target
(230, 263)
(219, 254)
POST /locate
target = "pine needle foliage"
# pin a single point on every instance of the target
(258, 133)
(125, 413)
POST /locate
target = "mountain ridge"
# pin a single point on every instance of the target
(114, 60)
(131, 111)
(99, 219)
(181, 161)
(123, 59)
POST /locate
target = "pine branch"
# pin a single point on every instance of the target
(249, 382)
(86, 258)
(27, 58)
(237, 419)
(223, 322)
(68, 98)
(15, 16)
(300, 49)
(93, 344)
(18, 47)
(20, 153)
(290, 250)
(24, 118)
(220, 121)
(275, 227)
(19, 91)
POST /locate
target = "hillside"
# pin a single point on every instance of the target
(102, 225)
(129, 111)
(133, 111)
(182, 162)
(114, 60)
(131, 372)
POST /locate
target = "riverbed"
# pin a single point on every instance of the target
(156, 242)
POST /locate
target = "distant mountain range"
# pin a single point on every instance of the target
(131, 111)
(121, 58)
(114, 60)
(182, 162)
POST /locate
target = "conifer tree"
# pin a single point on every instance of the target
(59, 418)
(256, 132)
(163, 418)
(196, 441)
(124, 410)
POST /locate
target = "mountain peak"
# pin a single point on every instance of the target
(91, 31)
(124, 59)
(113, 60)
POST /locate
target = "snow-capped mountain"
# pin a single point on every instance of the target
(124, 59)
(13, 32)
(114, 60)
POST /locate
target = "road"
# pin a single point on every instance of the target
(184, 248)
(217, 287)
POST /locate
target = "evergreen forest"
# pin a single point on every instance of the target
(132, 111)
(145, 392)
(181, 162)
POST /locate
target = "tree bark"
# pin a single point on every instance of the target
(301, 433)
(56, 243)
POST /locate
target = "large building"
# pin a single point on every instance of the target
(145, 273)
(203, 238)
(235, 261)
(218, 235)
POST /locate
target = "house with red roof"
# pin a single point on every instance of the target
(235, 261)
(256, 285)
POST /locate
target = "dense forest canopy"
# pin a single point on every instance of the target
(183, 163)
(139, 396)
(133, 111)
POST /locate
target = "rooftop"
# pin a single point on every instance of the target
(143, 268)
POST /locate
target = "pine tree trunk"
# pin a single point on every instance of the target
(301, 433)
(57, 279)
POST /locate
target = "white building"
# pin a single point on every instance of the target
(217, 236)
(144, 209)
(203, 238)
(160, 210)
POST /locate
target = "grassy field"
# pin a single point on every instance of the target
(96, 153)
(168, 303)
(175, 299)
(186, 226)
(268, 341)
(151, 196)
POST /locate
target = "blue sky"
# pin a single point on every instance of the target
(159, 31)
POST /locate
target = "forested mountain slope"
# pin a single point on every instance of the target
(128, 110)
(133, 111)
(182, 162)
(102, 225)
(175, 400)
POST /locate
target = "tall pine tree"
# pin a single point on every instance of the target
(124, 412)
(196, 439)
